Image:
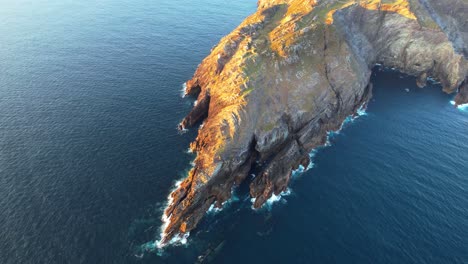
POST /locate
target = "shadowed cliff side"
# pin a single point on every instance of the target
(270, 91)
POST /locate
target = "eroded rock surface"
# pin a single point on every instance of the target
(270, 91)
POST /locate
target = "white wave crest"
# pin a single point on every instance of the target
(183, 130)
(183, 92)
(276, 198)
(432, 80)
(180, 239)
(463, 107)
(214, 210)
(299, 171)
(166, 218)
(268, 205)
(361, 111)
(312, 155)
(301, 168)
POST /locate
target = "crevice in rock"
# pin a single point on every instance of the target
(192, 88)
(198, 113)
(326, 70)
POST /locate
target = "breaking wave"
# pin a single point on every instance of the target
(463, 107)
(183, 91)
(158, 245)
(349, 119)
(214, 210)
(165, 218)
(268, 205)
(182, 131)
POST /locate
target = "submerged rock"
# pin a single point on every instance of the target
(271, 90)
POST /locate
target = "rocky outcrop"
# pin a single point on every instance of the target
(462, 96)
(271, 90)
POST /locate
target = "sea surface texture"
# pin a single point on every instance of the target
(89, 150)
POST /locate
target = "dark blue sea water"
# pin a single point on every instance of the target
(89, 104)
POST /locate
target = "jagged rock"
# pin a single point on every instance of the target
(270, 90)
(462, 96)
(421, 81)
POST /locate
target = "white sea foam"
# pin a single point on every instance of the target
(195, 103)
(299, 171)
(463, 107)
(180, 239)
(273, 200)
(432, 80)
(349, 119)
(183, 130)
(311, 159)
(362, 110)
(166, 218)
(214, 210)
(276, 198)
(301, 168)
(177, 240)
(253, 201)
(183, 92)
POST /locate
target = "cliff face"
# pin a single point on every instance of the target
(270, 90)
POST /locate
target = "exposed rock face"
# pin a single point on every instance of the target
(462, 96)
(270, 90)
(452, 18)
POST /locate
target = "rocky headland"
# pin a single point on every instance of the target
(270, 91)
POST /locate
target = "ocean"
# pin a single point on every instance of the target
(90, 98)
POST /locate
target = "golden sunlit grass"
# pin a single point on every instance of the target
(401, 7)
(225, 112)
(329, 17)
(284, 35)
(287, 32)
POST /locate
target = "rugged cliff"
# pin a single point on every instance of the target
(270, 91)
